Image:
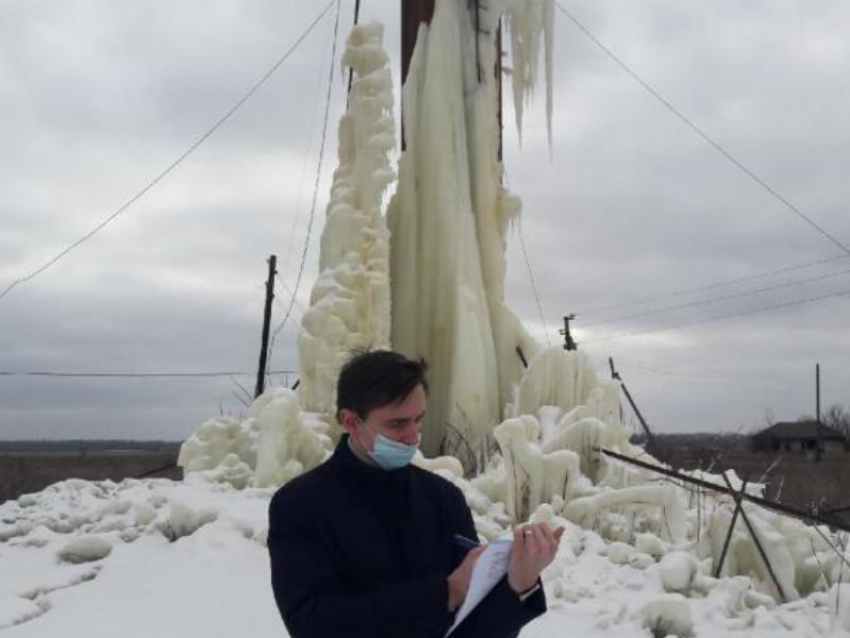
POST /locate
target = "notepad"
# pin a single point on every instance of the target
(489, 569)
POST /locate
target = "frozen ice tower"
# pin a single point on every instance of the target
(450, 216)
(350, 302)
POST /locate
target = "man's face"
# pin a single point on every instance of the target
(400, 421)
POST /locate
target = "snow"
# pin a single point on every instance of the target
(213, 579)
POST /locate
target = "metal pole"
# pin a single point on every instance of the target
(728, 540)
(776, 507)
(756, 540)
(616, 375)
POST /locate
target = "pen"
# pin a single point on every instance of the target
(463, 541)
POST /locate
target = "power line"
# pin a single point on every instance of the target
(530, 272)
(707, 138)
(135, 375)
(534, 286)
(719, 317)
(746, 293)
(719, 284)
(314, 116)
(716, 376)
(318, 178)
(203, 138)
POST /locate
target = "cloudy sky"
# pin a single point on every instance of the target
(97, 98)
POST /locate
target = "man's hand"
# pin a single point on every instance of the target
(534, 548)
(459, 578)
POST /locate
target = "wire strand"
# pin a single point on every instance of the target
(737, 295)
(719, 284)
(135, 375)
(744, 313)
(696, 129)
(316, 184)
(156, 180)
(305, 161)
(534, 286)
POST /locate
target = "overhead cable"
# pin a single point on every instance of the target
(316, 184)
(203, 138)
(707, 138)
(135, 375)
(719, 284)
(704, 302)
(305, 159)
(534, 286)
(733, 315)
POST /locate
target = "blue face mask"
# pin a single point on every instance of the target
(392, 455)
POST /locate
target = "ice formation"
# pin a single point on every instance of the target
(449, 220)
(350, 301)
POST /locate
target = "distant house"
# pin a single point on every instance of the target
(799, 436)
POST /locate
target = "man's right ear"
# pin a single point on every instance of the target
(348, 420)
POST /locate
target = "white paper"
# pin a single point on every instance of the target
(489, 569)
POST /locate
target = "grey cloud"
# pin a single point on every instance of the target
(633, 204)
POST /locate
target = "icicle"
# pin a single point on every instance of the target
(528, 20)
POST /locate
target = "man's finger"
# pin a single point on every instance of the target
(549, 536)
(535, 539)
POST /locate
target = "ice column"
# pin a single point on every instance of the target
(449, 221)
(350, 301)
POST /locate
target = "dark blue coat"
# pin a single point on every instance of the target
(357, 551)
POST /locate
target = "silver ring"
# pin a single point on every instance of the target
(527, 532)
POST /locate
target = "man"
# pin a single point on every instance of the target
(363, 545)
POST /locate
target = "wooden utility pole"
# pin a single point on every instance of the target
(413, 13)
(416, 12)
(569, 342)
(267, 319)
(818, 442)
(351, 70)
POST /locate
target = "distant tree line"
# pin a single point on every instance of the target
(87, 445)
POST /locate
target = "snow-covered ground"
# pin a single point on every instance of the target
(189, 559)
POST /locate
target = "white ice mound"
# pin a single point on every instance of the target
(563, 414)
(668, 615)
(85, 549)
(679, 571)
(350, 302)
(217, 438)
(291, 441)
(183, 520)
(277, 442)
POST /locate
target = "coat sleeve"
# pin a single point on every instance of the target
(501, 614)
(308, 587)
